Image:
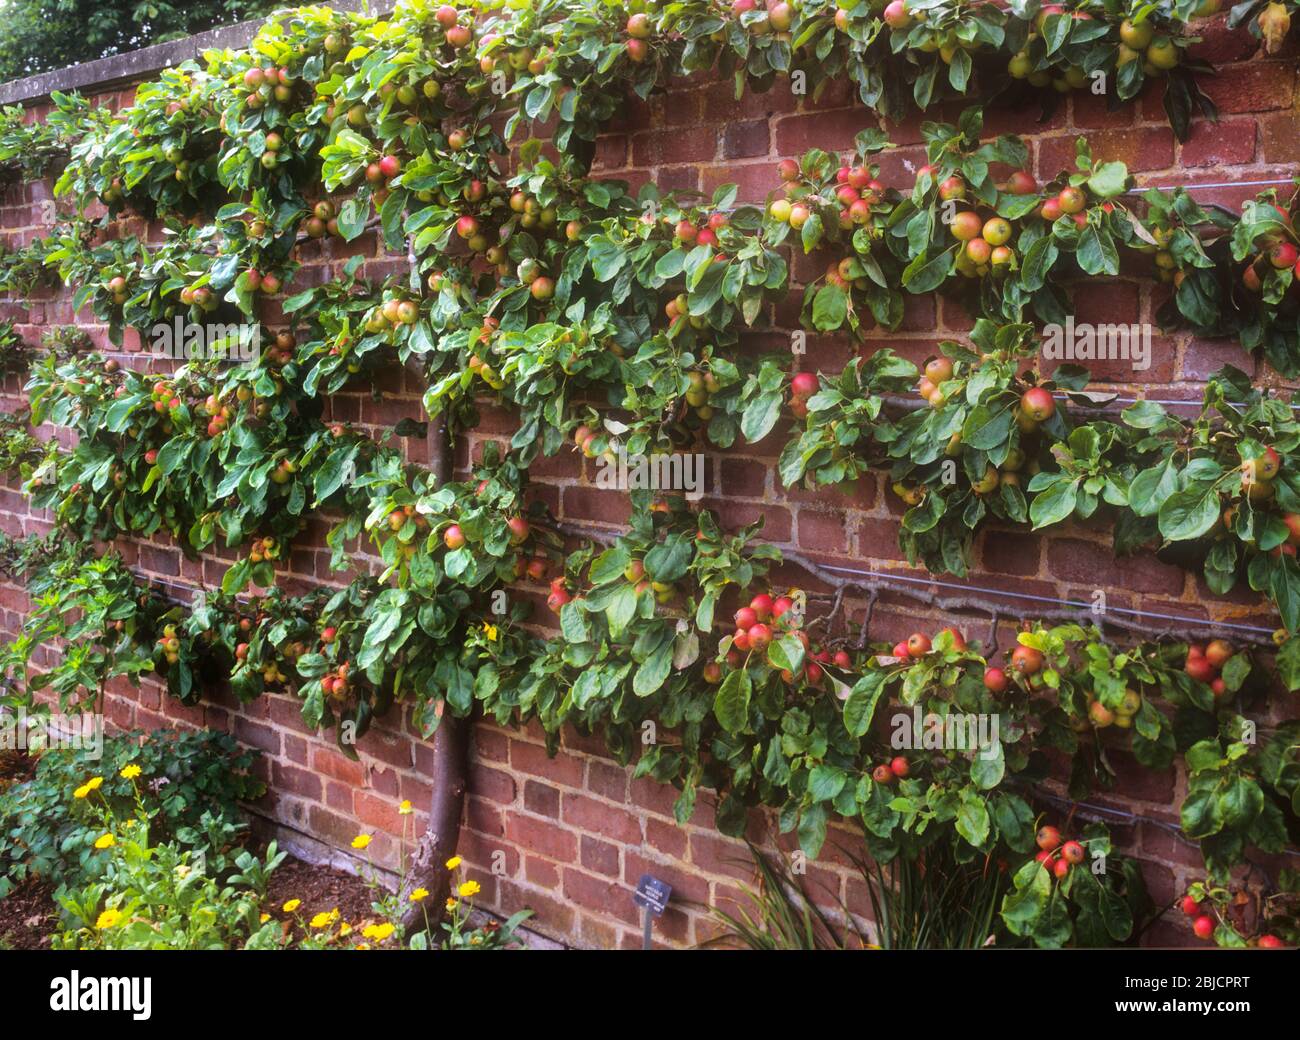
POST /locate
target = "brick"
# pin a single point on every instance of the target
(599, 856)
(1095, 566)
(745, 139)
(588, 814)
(542, 837)
(541, 799)
(1256, 86)
(1233, 142)
(532, 758)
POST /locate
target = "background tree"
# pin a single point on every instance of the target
(40, 35)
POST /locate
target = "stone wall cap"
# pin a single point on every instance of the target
(132, 66)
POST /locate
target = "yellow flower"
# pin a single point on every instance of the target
(264, 918)
(453, 863)
(81, 791)
(321, 920)
(95, 783)
(451, 904)
(105, 841)
(108, 918)
(490, 630)
(361, 841)
(405, 808)
(291, 906)
(345, 929)
(383, 931)
(419, 894)
(469, 888)
(131, 772)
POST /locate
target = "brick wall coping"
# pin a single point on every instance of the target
(135, 65)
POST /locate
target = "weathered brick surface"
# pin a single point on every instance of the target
(570, 835)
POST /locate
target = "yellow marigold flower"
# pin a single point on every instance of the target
(131, 772)
(451, 904)
(419, 894)
(108, 918)
(490, 630)
(105, 841)
(369, 931)
(263, 919)
(322, 920)
(383, 931)
(81, 791)
(361, 841)
(469, 888)
(453, 863)
(291, 905)
(345, 929)
(405, 808)
(95, 783)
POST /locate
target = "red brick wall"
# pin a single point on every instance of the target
(572, 834)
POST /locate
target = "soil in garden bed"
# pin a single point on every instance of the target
(321, 889)
(28, 915)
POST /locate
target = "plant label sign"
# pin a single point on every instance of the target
(652, 894)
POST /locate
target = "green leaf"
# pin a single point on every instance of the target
(731, 705)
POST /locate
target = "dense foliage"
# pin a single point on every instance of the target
(611, 320)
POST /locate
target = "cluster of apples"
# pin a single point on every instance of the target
(1101, 717)
(1205, 663)
(322, 221)
(1275, 250)
(560, 594)
(478, 237)
(700, 387)
(918, 644)
(279, 351)
(220, 415)
(166, 398)
(803, 385)
(663, 592)
(268, 283)
(335, 684)
(170, 645)
(271, 672)
(1058, 856)
(478, 365)
(458, 36)
(856, 193)
(937, 371)
(690, 234)
(534, 568)
(398, 517)
(530, 272)
(266, 85)
(897, 768)
(520, 59)
(773, 17)
(264, 549)
(116, 286)
(765, 619)
(638, 29)
(1070, 201)
(382, 170)
(1026, 662)
(394, 312)
(199, 296)
(1257, 477)
(984, 236)
(1139, 41)
(1203, 924)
